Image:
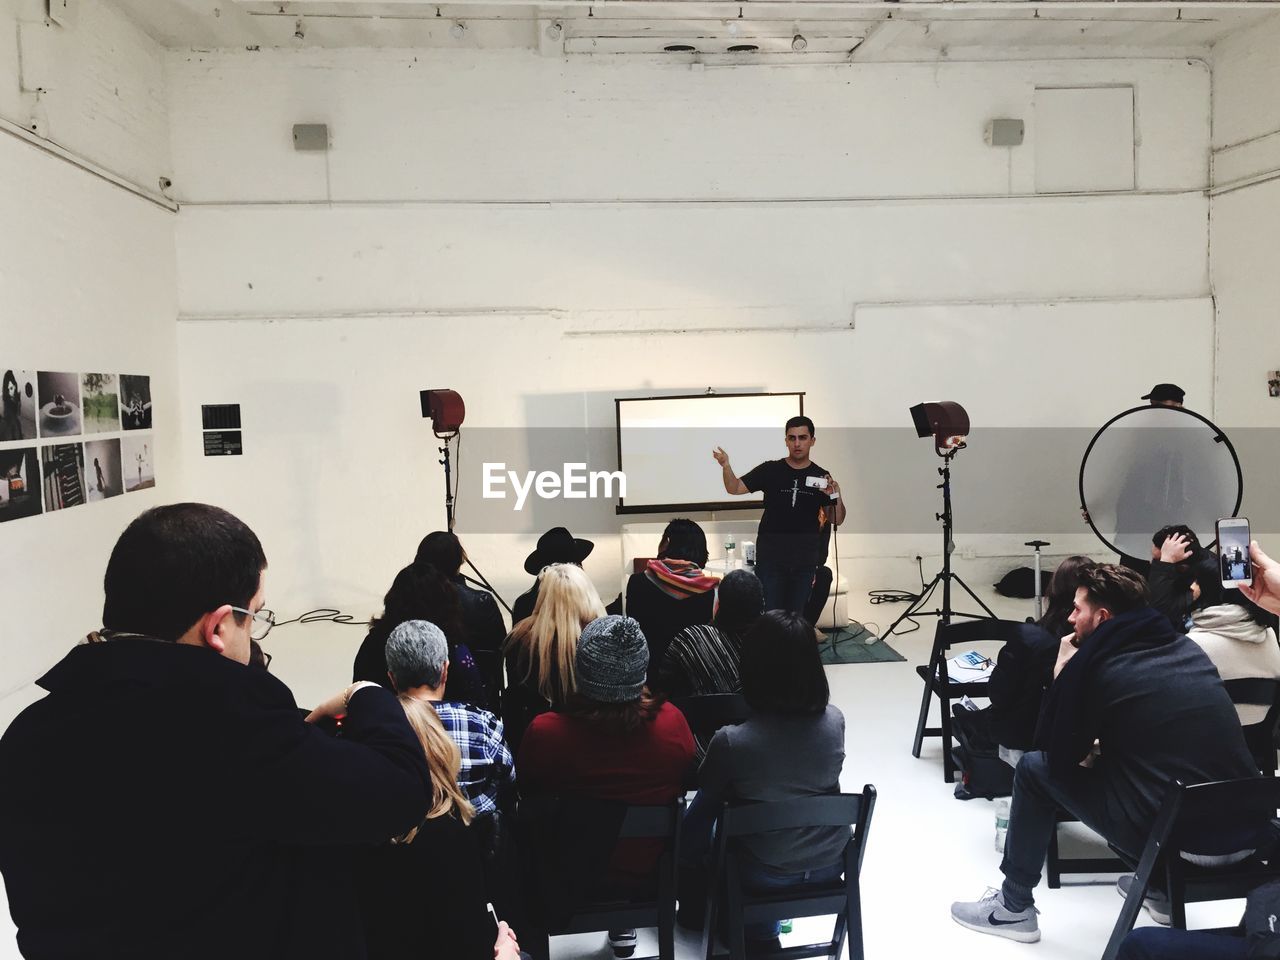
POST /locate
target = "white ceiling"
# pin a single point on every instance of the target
(862, 30)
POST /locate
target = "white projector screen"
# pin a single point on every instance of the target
(665, 444)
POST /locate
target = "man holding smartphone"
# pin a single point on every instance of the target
(799, 498)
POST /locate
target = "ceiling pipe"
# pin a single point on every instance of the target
(668, 8)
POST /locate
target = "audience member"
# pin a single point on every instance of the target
(1183, 576)
(481, 619)
(705, 658)
(1024, 666)
(165, 799)
(557, 545)
(418, 662)
(611, 740)
(1240, 639)
(540, 650)
(422, 593)
(792, 746)
(1134, 706)
(672, 593)
(423, 893)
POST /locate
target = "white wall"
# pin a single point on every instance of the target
(535, 232)
(1246, 235)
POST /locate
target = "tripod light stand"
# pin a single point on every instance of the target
(948, 424)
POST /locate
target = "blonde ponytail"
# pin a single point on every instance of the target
(444, 761)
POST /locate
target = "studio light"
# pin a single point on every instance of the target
(446, 410)
(945, 421)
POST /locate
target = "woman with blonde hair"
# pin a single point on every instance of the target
(540, 649)
(423, 894)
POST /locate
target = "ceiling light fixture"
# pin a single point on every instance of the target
(744, 48)
(299, 32)
(680, 48)
(458, 30)
(799, 43)
(555, 30)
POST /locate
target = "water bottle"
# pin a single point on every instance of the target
(1002, 823)
(730, 549)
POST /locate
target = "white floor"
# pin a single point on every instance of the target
(925, 848)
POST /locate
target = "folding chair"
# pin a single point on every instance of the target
(1261, 736)
(937, 683)
(841, 898)
(1244, 808)
(551, 819)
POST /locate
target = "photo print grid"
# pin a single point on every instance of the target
(18, 411)
(100, 403)
(62, 465)
(59, 397)
(102, 469)
(138, 460)
(19, 483)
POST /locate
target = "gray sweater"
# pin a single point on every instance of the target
(772, 757)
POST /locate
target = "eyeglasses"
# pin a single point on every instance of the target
(263, 621)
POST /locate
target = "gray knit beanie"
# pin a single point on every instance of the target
(612, 660)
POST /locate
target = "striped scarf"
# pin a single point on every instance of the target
(679, 578)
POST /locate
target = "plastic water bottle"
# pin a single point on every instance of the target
(730, 549)
(1002, 823)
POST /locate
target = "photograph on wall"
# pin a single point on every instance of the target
(100, 402)
(59, 398)
(19, 409)
(135, 402)
(1273, 383)
(62, 466)
(102, 469)
(19, 483)
(137, 454)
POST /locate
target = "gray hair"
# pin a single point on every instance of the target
(416, 655)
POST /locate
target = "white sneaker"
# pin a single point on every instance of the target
(1156, 901)
(989, 915)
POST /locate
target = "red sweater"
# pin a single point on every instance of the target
(566, 755)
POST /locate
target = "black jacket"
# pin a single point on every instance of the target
(163, 802)
(1023, 671)
(1171, 588)
(661, 616)
(1156, 704)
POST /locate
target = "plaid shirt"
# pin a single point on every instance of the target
(488, 773)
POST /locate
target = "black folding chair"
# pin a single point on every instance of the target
(937, 683)
(841, 898)
(555, 821)
(1188, 814)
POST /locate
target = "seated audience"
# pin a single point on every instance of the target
(481, 619)
(540, 650)
(1183, 576)
(611, 740)
(1024, 667)
(418, 662)
(1134, 705)
(1240, 639)
(422, 894)
(422, 593)
(705, 658)
(672, 593)
(165, 799)
(557, 545)
(792, 746)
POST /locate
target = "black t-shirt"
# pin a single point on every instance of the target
(790, 533)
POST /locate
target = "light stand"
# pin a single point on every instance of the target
(446, 410)
(945, 576)
(1036, 545)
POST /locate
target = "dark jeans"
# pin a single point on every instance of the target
(785, 587)
(757, 878)
(1162, 943)
(1032, 820)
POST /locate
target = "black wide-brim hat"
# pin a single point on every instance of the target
(557, 545)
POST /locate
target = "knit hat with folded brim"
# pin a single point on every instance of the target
(612, 660)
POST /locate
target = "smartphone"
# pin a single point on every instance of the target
(1233, 552)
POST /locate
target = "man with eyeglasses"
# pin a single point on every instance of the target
(166, 800)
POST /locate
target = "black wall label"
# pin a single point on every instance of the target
(222, 443)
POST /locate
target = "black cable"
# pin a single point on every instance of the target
(901, 596)
(324, 613)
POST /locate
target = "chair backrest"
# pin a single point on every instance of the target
(1260, 736)
(708, 712)
(833, 810)
(1218, 817)
(972, 631)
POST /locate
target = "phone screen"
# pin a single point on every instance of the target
(1233, 551)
